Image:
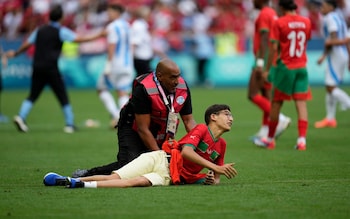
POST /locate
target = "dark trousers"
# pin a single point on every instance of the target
(200, 68)
(130, 147)
(53, 78)
(142, 66)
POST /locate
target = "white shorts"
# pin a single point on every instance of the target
(116, 80)
(152, 165)
(336, 66)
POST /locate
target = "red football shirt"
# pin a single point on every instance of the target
(202, 141)
(292, 32)
(263, 22)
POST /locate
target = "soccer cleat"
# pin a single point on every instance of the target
(54, 179)
(300, 147)
(79, 173)
(264, 143)
(69, 129)
(74, 183)
(324, 123)
(262, 133)
(282, 125)
(20, 123)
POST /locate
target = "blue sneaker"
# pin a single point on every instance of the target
(53, 179)
(74, 183)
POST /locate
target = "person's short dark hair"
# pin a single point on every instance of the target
(56, 13)
(332, 2)
(117, 7)
(288, 4)
(315, 2)
(214, 109)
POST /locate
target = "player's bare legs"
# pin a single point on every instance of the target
(108, 101)
(333, 96)
(113, 180)
(139, 181)
(259, 92)
(260, 97)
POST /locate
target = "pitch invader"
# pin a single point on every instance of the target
(337, 58)
(289, 37)
(259, 90)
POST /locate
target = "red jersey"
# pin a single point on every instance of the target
(202, 141)
(292, 32)
(263, 22)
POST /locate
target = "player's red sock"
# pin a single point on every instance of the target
(262, 102)
(302, 127)
(266, 118)
(272, 129)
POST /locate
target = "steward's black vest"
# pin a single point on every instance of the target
(47, 48)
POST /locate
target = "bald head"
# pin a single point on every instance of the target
(168, 73)
(166, 66)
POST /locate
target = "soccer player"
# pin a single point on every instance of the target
(337, 55)
(118, 71)
(289, 35)
(259, 90)
(201, 148)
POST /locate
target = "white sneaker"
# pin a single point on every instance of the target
(263, 132)
(21, 125)
(69, 129)
(282, 125)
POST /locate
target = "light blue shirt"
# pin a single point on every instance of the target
(64, 33)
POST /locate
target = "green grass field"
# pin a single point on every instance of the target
(283, 183)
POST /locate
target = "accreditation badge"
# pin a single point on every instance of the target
(172, 123)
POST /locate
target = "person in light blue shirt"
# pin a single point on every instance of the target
(48, 40)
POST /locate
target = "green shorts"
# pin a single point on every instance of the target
(290, 83)
(270, 77)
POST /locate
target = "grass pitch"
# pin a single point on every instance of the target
(283, 183)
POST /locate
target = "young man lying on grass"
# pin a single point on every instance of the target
(177, 163)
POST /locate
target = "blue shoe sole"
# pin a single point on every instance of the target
(54, 179)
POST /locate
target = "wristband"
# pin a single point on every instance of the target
(260, 62)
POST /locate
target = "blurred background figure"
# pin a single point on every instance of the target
(203, 46)
(3, 63)
(141, 39)
(12, 20)
(118, 72)
(337, 60)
